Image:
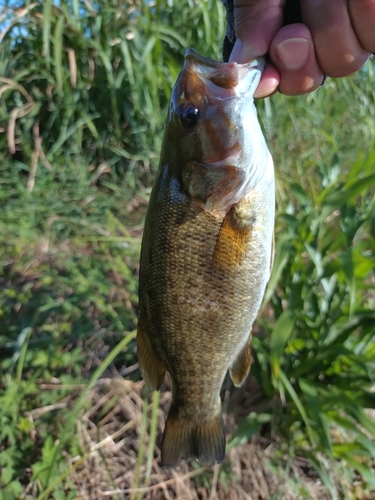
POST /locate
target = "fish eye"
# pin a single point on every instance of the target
(189, 115)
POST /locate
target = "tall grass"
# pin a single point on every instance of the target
(83, 93)
(97, 76)
(83, 90)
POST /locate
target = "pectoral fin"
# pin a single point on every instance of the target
(241, 367)
(152, 369)
(233, 239)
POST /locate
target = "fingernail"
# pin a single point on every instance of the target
(265, 93)
(293, 53)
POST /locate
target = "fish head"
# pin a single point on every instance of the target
(213, 135)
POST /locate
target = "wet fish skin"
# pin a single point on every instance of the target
(207, 251)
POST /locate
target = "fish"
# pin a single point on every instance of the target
(207, 251)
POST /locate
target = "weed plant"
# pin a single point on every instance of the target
(83, 93)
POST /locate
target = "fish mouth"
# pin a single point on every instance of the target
(212, 63)
(231, 78)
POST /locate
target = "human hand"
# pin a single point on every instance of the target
(336, 39)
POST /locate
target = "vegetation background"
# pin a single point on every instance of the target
(84, 87)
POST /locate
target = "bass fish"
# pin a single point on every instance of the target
(207, 251)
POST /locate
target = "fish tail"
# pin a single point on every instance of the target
(182, 438)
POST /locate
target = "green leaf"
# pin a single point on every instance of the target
(324, 475)
(282, 256)
(248, 427)
(342, 196)
(280, 335)
(57, 51)
(316, 414)
(364, 470)
(293, 394)
(47, 9)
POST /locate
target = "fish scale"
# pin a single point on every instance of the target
(206, 251)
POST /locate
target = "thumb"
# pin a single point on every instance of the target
(256, 23)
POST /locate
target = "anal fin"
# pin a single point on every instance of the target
(241, 366)
(204, 441)
(152, 369)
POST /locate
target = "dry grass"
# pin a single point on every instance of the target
(110, 431)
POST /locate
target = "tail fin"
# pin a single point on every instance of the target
(205, 441)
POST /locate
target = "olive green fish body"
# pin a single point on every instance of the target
(206, 259)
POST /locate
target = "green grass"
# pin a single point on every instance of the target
(81, 122)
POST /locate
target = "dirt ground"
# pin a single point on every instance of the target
(117, 420)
